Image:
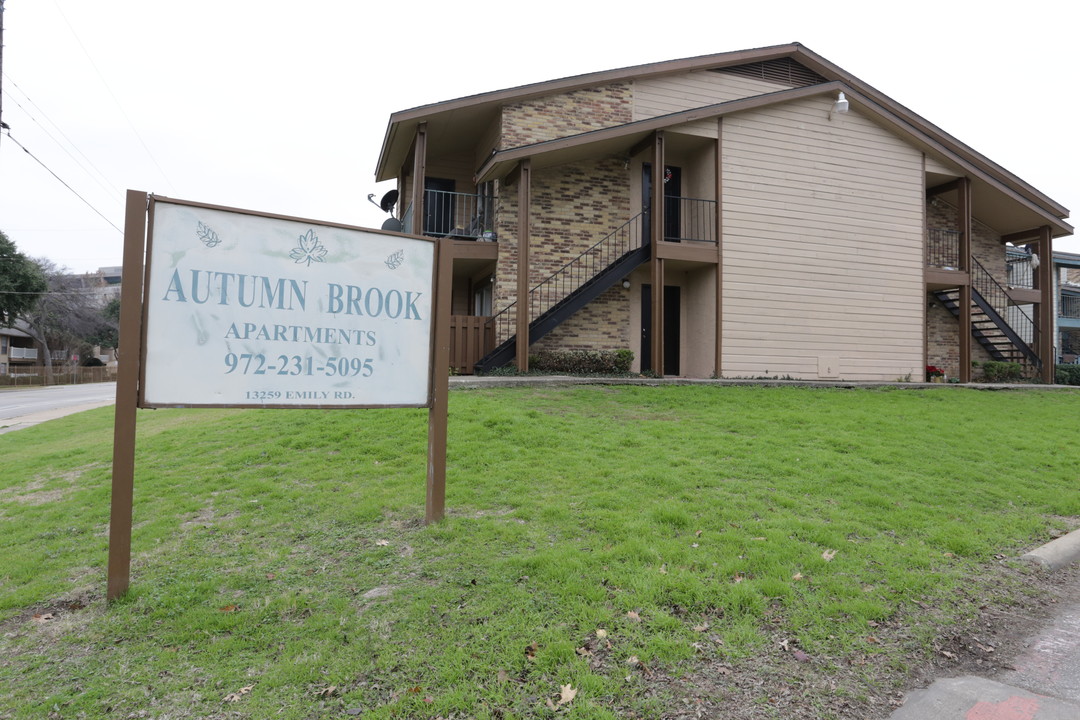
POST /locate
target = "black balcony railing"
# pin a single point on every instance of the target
(466, 216)
(943, 249)
(689, 220)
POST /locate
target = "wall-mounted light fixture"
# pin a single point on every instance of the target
(626, 283)
(840, 106)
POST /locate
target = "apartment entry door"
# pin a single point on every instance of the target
(671, 329)
(672, 191)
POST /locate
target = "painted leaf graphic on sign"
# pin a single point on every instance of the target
(207, 235)
(308, 249)
(394, 261)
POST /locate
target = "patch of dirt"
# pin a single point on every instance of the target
(34, 492)
(784, 682)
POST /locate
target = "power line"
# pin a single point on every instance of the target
(74, 192)
(113, 96)
(100, 175)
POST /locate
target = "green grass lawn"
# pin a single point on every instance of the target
(596, 536)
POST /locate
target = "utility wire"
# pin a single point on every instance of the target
(113, 96)
(39, 162)
(100, 175)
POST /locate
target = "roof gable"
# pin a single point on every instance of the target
(782, 71)
(789, 66)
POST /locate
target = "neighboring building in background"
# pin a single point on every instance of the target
(17, 348)
(1067, 275)
(803, 224)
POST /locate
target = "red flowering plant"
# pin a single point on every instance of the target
(933, 372)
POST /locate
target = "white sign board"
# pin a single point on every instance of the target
(248, 310)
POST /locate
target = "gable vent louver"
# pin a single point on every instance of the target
(783, 71)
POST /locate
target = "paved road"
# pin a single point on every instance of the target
(23, 408)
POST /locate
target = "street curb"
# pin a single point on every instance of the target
(1056, 554)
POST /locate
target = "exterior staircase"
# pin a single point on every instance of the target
(1003, 329)
(570, 288)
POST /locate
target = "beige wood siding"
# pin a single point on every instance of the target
(936, 165)
(665, 95)
(822, 246)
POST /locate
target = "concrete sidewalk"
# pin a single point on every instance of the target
(1043, 682)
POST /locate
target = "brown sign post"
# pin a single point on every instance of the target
(300, 344)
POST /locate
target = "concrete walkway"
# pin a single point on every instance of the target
(1044, 682)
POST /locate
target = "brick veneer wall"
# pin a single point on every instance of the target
(943, 340)
(574, 206)
(986, 243)
(570, 113)
(603, 324)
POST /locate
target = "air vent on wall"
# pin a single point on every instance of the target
(783, 71)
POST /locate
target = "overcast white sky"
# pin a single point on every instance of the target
(282, 107)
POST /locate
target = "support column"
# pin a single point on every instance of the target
(419, 173)
(524, 192)
(1044, 311)
(964, 329)
(656, 233)
(719, 181)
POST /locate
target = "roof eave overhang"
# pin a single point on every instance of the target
(404, 120)
(501, 163)
(827, 69)
(401, 126)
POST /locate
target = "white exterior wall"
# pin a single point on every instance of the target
(823, 246)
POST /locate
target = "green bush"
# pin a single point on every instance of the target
(583, 362)
(994, 371)
(1067, 375)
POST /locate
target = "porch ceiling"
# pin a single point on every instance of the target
(996, 209)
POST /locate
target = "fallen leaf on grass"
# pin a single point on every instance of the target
(632, 615)
(738, 578)
(701, 628)
(44, 617)
(948, 555)
(663, 569)
(633, 660)
(800, 655)
(758, 539)
(503, 676)
(382, 543)
(530, 651)
(697, 534)
(694, 545)
(601, 633)
(328, 691)
(948, 654)
(724, 670)
(584, 651)
(229, 608)
(270, 576)
(872, 639)
(566, 694)
(828, 555)
(797, 577)
(235, 696)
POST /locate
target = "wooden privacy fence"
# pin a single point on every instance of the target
(26, 375)
(471, 338)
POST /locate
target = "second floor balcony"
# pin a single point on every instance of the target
(463, 216)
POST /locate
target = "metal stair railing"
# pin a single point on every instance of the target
(572, 276)
(992, 299)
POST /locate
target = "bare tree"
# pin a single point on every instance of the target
(67, 316)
